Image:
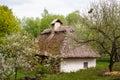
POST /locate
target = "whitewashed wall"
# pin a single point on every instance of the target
(72, 65)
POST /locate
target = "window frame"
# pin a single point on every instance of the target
(85, 64)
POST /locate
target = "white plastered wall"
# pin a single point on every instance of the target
(72, 65)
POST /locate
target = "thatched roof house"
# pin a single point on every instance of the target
(54, 41)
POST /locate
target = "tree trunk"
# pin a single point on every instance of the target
(15, 66)
(15, 73)
(111, 64)
(110, 67)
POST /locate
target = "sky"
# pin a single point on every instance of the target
(34, 8)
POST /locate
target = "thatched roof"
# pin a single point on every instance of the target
(61, 29)
(57, 43)
(70, 50)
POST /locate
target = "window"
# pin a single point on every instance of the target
(85, 64)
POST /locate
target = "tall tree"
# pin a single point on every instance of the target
(73, 18)
(8, 22)
(101, 28)
(18, 50)
(45, 21)
(31, 25)
(45, 13)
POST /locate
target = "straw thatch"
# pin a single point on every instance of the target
(69, 50)
(60, 29)
(57, 43)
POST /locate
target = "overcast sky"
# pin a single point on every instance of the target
(34, 8)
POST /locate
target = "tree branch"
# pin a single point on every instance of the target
(100, 43)
(117, 37)
(103, 33)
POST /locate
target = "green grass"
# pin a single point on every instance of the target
(87, 74)
(23, 73)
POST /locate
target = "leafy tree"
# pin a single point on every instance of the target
(73, 18)
(36, 26)
(46, 20)
(8, 22)
(31, 25)
(101, 29)
(45, 13)
(18, 50)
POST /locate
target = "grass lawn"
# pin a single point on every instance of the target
(87, 74)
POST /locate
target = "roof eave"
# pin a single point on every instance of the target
(80, 57)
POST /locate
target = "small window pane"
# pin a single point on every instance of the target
(85, 64)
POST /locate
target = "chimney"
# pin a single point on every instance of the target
(56, 24)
